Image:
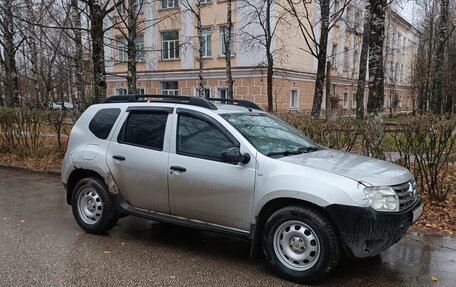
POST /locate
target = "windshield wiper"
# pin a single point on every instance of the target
(306, 149)
(284, 153)
(295, 152)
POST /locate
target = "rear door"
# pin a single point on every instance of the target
(138, 158)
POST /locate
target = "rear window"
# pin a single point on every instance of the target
(103, 121)
(144, 129)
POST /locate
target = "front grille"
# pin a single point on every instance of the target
(406, 193)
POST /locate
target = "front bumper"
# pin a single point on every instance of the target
(366, 232)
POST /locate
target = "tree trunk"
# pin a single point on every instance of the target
(131, 49)
(78, 57)
(321, 59)
(9, 52)
(439, 75)
(199, 27)
(269, 56)
(363, 65)
(97, 35)
(376, 69)
(229, 28)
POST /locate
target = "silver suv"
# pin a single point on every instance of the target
(227, 166)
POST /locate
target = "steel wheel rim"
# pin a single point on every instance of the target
(296, 245)
(90, 206)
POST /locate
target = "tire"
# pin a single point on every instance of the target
(301, 244)
(93, 207)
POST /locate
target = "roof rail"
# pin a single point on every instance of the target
(242, 103)
(194, 101)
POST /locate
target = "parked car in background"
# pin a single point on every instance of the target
(58, 106)
(227, 166)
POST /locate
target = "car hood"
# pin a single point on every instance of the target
(357, 167)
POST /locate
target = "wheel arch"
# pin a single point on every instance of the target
(75, 176)
(275, 204)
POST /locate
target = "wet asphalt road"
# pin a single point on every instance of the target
(41, 245)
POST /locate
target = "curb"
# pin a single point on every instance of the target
(20, 168)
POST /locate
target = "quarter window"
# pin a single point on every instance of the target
(145, 129)
(103, 121)
(199, 138)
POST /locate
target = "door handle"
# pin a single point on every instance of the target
(118, 157)
(178, 168)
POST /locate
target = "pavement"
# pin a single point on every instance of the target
(41, 245)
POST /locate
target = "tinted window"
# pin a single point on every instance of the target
(200, 138)
(145, 129)
(103, 121)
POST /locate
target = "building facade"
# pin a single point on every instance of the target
(167, 46)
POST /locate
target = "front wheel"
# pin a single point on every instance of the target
(92, 206)
(300, 244)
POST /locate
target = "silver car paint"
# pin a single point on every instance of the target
(226, 194)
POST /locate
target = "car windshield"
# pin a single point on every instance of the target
(270, 135)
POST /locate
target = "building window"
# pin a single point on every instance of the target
(205, 1)
(170, 88)
(138, 5)
(170, 45)
(121, 7)
(334, 55)
(354, 100)
(294, 99)
(121, 44)
(165, 4)
(139, 43)
(204, 93)
(222, 93)
(207, 42)
(336, 6)
(345, 100)
(223, 34)
(346, 59)
(121, 91)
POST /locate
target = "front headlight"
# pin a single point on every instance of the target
(382, 198)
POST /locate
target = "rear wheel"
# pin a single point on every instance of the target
(93, 207)
(300, 244)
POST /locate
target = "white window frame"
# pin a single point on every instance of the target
(121, 46)
(334, 55)
(169, 92)
(121, 91)
(169, 4)
(139, 47)
(345, 100)
(137, 6)
(295, 105)
(219, 90)
(353, 100)
(166, 55)
(346, 59)
(121, 8)
(205, 1)
(196, 92)
(207, 42)
(222, 30)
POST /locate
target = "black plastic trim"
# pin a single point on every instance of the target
(124, 207)
(366, 232)
(194, 101)
(167, 110)
(241, 103)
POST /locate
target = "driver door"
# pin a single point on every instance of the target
(201, 187)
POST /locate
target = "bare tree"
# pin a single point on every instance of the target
(10, 41)
(259, 33)
(316, 42)
(227, 42)
(363, 63)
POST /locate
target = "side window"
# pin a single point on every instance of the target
(199, 138)
(103, 121)
(144, 129)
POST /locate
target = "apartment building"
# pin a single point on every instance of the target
(168, 56)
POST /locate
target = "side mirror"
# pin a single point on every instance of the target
(233, 155)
